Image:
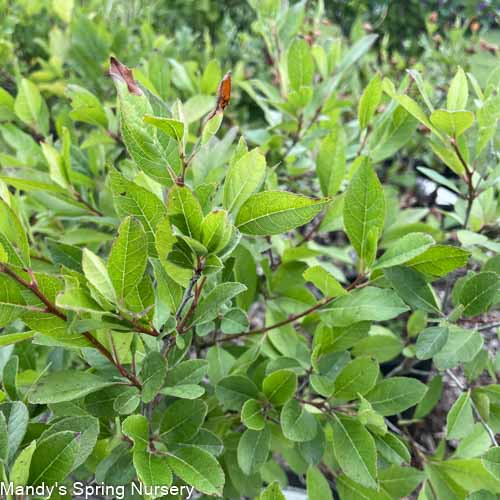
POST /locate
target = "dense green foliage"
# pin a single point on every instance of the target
(238, 298)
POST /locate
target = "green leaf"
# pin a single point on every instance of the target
(53, 458)
(234, 321)
(453, 123)
(253, 450)
(191, 371)
(97, 274)
(66, 386)
(431, 398)
(407, 248)
(461, 347)
(355, 450)
(222, 293)
(56, 165)
(297, 423)
(131, 199)
(128, 258)
(88, 429)
(139, 137)
(152, 470)
(12, 338)
(317, 485)
(357, 377)
(17, 417)
(412, 288)
(216, 231)
(19, 473)
(234, 390)
(280, 386)
(211, 77)
(367, 304)
(272, 492)
(182, 420)
(459, 420)
(30, 107)
(331, 162)
(252, 415)
(300, 64)
(244, 177)
(396, 394)
(324, 281)
(439, 260)
(430, 341)
(184, 210)
(136, 427)
(153, 373)
(491, 462)
(415, 110)
(364, 208)
(126, 402)
(478, 293)
(458, 92)
(199, 469)
(400, 482)
(370, 99)
(4, 439)
(275, 212)
(173, 128)
(86, 106)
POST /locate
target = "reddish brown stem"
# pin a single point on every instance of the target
(52, 309)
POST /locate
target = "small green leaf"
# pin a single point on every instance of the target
(331, 162)
(128, 258)
(136, 427)
(244, 177)
(430, 341)
(458, 92)
(199, 469)
(297, 423)
(280, 386)
(453, 123)
(317, 485)
(369, 101)
(173, 128)
(367, 304)
(364, 207)
(152, 470)
(459, 420)
(357, 377)
(53, 458)
(67, 386)
(153, 372)
(324, 281)
(184, 210)
(182, 420)
(355, 451)
(19, 473)
(275, 212)
(253, 450)
(407, 248)
(478, 293)
(252, 415)
(300, 64)
(396, 394)
(412, 288)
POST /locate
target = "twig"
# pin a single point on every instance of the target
(471, 194)
(291, 319)
(86, 204)
(478, 415)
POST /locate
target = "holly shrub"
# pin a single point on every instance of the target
(229, 283)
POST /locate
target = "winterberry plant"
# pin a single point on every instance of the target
(221, 284)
